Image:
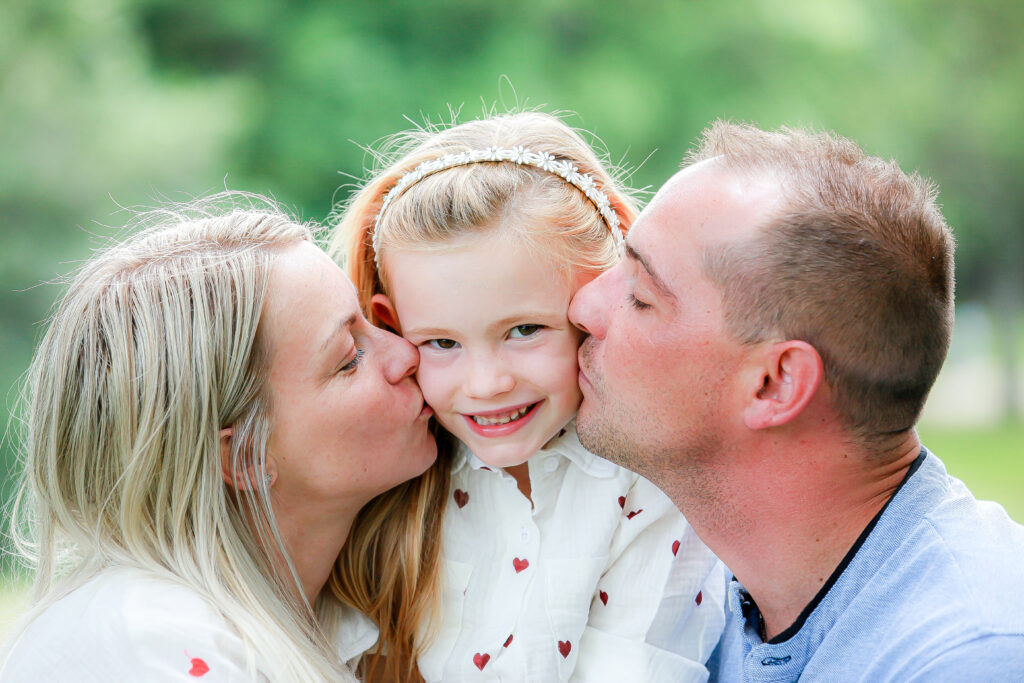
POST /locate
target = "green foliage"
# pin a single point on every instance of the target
(119, 102)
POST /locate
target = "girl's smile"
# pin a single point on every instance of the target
(497, 351)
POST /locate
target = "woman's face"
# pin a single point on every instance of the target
(349, 422)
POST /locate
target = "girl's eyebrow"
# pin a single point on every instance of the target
(521, 318)
(425, 332)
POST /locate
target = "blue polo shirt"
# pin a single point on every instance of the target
(933, 590)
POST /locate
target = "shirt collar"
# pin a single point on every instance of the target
(924, 481)
(566, 444)
(357, 633)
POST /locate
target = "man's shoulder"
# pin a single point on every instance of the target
(938, 577)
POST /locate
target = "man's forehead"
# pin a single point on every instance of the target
(711, 203)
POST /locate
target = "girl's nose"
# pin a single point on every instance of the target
(488, 377)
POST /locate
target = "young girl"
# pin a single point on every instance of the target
(557, 563)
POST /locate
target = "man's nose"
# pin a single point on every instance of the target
(588, 309)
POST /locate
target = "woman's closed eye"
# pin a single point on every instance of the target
(354, 363)
(522, 331)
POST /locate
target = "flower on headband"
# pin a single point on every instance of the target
(518, 154)
(545, 162)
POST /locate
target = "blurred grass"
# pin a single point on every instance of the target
(989, 460)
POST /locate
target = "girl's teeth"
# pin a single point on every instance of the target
(500, 420)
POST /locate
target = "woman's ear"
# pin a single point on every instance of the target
(790, 374)
(245, 479)
(227, 471)
(385, 311)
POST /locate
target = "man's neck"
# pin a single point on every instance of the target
(795, 516)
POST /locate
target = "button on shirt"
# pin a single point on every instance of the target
(600, 579)
(933, 592)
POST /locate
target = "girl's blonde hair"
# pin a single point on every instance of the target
(154, 348)
(544, 212)
(536, 207)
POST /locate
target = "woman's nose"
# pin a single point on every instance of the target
(487, 377)
(400, 357)
(588, 308)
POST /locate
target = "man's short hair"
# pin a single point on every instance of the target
(858, 262)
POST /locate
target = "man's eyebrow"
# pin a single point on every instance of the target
(348, 322)
(658, 282)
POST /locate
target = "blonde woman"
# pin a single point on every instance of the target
(211, 421)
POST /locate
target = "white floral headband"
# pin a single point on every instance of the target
(563, 168)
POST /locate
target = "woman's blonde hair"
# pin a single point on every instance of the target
(537, 208)
(155, 347)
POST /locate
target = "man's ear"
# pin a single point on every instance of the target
(385, 311)
(790, 374)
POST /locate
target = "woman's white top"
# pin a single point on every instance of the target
(601, 579)
(130, 625)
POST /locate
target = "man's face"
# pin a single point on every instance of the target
(660, 375)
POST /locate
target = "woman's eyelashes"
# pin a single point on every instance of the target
(352, 364)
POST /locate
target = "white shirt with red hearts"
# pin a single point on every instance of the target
(127, 624)
(601, 579)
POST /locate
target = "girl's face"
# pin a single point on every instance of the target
(497, 351)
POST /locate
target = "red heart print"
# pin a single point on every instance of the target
(564, 646)
(634, 513)
(700, 597)
(509, 641)
(481, 660)
(675, 547)
(520, 565)
(622, 502)
(461, 498)
(603, 596)
(199, 668)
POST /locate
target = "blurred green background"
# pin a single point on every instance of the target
(110, 103)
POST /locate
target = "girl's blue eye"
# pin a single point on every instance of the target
(524, 330)
(636, 303)
(352, 364)
(442, 344)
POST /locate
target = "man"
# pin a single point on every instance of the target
(762, 354)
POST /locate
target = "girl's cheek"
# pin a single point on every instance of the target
(432, 380)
